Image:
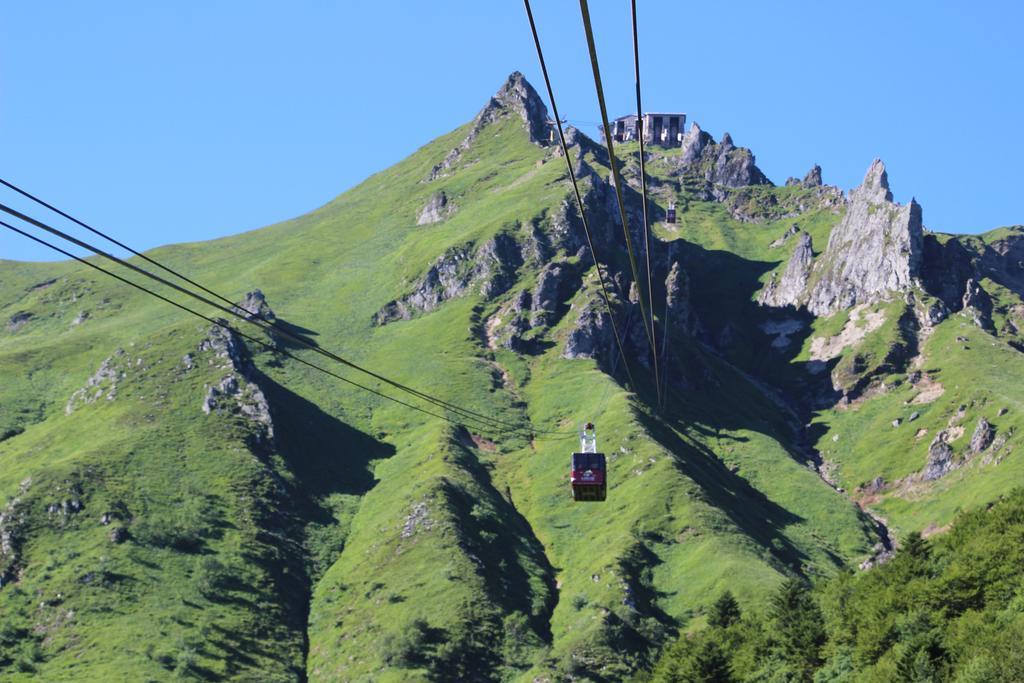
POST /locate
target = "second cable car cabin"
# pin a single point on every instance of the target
(588, 472)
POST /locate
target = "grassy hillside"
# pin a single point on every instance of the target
(148, 538)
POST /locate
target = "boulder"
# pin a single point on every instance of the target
(984, 432)
(437, 209)
(940, 459)
(254, 306)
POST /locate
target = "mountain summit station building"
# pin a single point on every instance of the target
(659, 129)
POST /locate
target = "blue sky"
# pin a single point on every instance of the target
(169, 122)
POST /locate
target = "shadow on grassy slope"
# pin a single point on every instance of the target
(748, 508)
(323, 453)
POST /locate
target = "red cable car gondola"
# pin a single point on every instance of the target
(588, 472)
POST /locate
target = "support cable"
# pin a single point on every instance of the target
(579, 198)
(616, 178)
(224, 325)
(496, 424)
(263, 321)
(643, 191)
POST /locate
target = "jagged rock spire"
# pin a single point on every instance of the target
(875, 187)
(875, 250)
(518, 95)
(813, 177)
(515, 95)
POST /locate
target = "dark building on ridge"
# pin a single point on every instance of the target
(659, 129)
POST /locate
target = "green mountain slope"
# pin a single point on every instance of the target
(180, 502)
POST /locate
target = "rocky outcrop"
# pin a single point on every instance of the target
(982, 437)
(102, 383)
(551, 285)
(875, 250)
(506, 328)
(1003, 260)
(721, 163)
(516, 97)
(238, 392)
(254, 307)
(496, 263)
(492, 268)
(977, 304)
(437, 209)
(940, 458)
(812, 179)
(531, 312)
(13, 523)
(946, 268)
(591, 335)
(788, 290)
(790, 232)
(677, 298)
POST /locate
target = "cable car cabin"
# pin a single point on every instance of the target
(588, 477)
(670, 215)
(588, 472)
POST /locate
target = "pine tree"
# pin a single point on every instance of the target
(708, 664)
(799, 628)
(725, 612)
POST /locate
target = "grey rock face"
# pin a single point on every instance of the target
(492, 267)
(677, 297)
(1003, 261)
(13, 520)
(719, 164)
(940, 459)
(591, 336)
(102, 383)
(496, 264)
(789, 289)
(238, 392)
(695, 141)
(254, 306)
(547, 294)
(982, 437)
(516, 97)
(446, 279)
(225, 345)
(978, 305)
(813, 177)
(437, 209)
(876, 485)
(790, 231)
(875, 250)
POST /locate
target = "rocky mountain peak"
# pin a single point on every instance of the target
(813, 177)
(516, 95)
(519, 96)
(875, 250)
(695, 141)
(876, 184)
